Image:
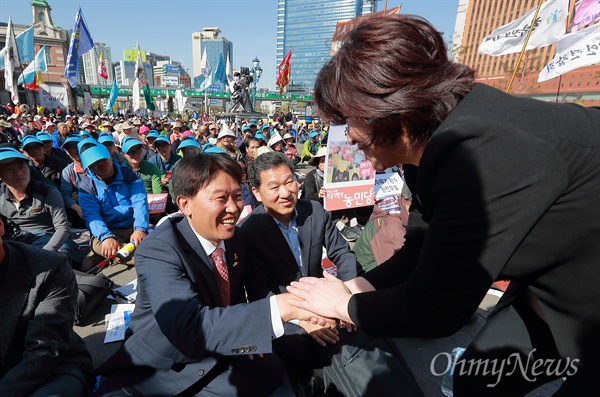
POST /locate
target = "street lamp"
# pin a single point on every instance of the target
(256, 72)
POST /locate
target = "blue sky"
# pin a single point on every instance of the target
(165, 27)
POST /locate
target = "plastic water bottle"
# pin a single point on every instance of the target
(448, 382)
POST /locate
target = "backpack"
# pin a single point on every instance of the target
(93, 289)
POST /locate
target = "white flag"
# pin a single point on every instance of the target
(229, 71)
(180, 100)
(204, 66)
(135, 100)
(573, 51)
(549, 27)
(11, 61)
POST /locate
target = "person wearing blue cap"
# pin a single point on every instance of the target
(189, 147)
(114, 203)
(70, 180)
(109, 142)
(36, 212)
(133, 151)
(50, 166)
(49, 149)
(164, 159)
(311, 146)
(149, 149)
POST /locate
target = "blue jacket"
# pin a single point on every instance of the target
(121, 204)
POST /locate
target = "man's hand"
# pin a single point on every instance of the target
(322, 193)
(289, 312)
(321, 335)
(137, 237)
(110, 246)
(164, 180)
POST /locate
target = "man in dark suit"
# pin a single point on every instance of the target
(285, 239)
(193, 332)
(40, 354)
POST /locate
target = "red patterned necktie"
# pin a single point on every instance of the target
(222, 274)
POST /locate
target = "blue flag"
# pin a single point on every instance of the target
(81, 42)
(39, 65)
(24, 47)
(221, 74)
(114, 93)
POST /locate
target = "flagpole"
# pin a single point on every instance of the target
(524, 45)
(558, 90)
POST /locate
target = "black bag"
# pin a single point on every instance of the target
(365, 366)
(93, 289)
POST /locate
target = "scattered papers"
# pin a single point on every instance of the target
(128, 291)
(118, 322)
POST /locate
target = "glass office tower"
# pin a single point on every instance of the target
(307, 27)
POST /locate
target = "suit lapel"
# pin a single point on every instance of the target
(304, 223)
(200, 269)
(14, 292)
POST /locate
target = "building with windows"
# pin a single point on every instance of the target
(56, 41)
(477, 19)
(307, 26)
(215, 46)
(90, 61)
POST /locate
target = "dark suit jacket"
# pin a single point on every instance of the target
(38, 295)
(180, 329)
(272, 264)
(509, 187)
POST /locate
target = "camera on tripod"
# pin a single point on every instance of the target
(245, 74)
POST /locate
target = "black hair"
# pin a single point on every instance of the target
(192, 173)
(264, 162)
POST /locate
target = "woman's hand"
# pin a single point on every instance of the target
(327, 297)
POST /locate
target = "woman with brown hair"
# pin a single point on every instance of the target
(499, 180)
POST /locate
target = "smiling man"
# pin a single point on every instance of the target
(193, 332)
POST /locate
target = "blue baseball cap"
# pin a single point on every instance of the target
(105, 138)
(42, 136)
(30, 139)
(128, 143)
(313, 134)
(214, 150)
(152, 134)
(9, 154)
(188, 143)
(161, 138)
(71, 138)
(265, 127)
(259, 136)
(92, 154)
(84, 134)
(245, 128)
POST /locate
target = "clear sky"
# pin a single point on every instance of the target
(165, 27)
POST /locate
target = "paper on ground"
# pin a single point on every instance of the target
(118, 322)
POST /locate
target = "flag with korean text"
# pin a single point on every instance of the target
(102, 68)
(229, 73)
(205, 69)
(549, 27)
(11, 61)
(573, 51)
(81, 42)
(283, 72)
(141, 82)
(586, 12)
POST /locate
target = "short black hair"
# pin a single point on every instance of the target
(264, 162)
(250, 140)
(192, 173)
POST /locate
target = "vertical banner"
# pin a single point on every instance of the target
(349, 176)
(87, 102)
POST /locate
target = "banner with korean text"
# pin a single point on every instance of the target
(349, 176)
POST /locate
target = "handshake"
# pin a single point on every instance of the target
(321, 304)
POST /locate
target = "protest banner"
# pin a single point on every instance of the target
(349, 176)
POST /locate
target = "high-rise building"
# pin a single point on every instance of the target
(91, 59)
(215, 46)
(477, 19)
(307, 26)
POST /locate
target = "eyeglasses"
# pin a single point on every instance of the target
(135, 151)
